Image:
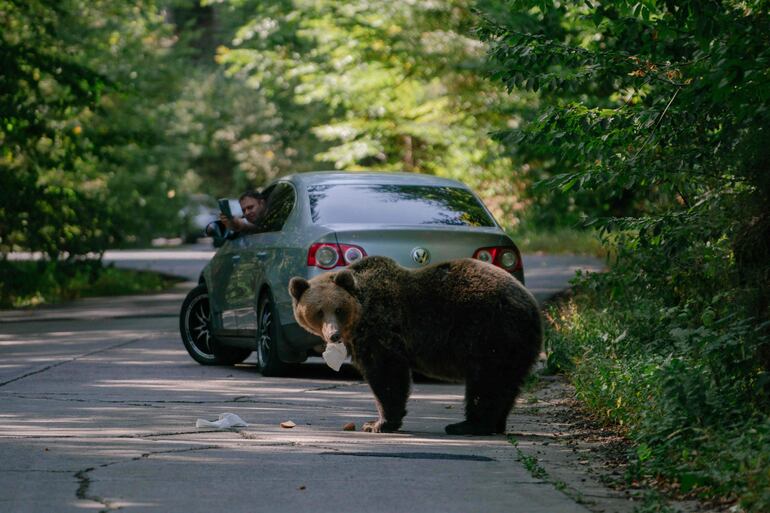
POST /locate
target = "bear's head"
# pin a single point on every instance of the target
(326, 305)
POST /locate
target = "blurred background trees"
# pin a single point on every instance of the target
(86, 88)
(115, 113)
(638, 117)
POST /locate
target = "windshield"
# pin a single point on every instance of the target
(396, 204)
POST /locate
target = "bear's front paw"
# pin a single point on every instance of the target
(380, 426)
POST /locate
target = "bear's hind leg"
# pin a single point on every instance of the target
(489, 396)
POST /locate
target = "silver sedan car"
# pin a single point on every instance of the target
(316, 223)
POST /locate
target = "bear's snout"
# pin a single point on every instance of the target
(331, 333)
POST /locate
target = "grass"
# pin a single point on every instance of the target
(29, 283)
(530, 462)
(537, 471)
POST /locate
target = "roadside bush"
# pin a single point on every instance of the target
(682, 376)
(651, 127)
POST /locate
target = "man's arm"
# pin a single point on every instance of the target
(238, 224)
(247, 227)
(234, 224)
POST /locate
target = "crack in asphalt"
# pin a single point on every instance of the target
(73, 359)
(84, 483)
(150, 436)
(254, 436)
(335, 387)
(84, 480)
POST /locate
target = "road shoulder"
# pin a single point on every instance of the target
(558, 442)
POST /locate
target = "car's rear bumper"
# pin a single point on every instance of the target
(298, 339)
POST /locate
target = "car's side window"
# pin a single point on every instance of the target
(280, 202)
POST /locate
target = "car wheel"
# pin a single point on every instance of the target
(268, 340)
(194, 326)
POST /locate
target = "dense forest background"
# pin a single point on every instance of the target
(114, 113)
(645, 122)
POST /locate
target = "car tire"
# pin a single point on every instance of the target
(268, 339)
(195, 328)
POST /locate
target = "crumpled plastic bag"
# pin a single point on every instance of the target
(334, 355)
(226, 421)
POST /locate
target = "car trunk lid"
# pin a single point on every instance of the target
(414, 247)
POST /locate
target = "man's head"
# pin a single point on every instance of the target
(252, 204)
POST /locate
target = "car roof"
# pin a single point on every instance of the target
(362, 177)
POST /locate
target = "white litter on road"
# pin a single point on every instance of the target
(226, 420)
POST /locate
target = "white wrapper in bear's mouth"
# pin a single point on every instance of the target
(334, 355)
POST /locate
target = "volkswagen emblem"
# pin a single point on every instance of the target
(421, 256)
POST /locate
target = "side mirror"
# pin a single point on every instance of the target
(217, 231)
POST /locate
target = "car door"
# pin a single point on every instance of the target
(226, 289)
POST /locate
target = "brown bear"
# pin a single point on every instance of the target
(462, 320)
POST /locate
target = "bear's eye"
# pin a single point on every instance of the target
(339, 312)
(319, 315)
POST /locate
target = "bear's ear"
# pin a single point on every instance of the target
(346, 280)
(297, 286)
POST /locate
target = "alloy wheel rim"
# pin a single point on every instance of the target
(265, 341)
(197, 324)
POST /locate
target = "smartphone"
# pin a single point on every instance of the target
(230, 208)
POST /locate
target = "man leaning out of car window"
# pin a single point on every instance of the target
(253, 204)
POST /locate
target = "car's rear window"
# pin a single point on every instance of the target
(395, 204)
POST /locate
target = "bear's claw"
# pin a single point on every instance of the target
(379, 426)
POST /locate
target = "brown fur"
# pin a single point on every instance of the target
(462, 320)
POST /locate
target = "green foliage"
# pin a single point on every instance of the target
(113, 114)
(29, 283)
(234, 137)
(653, 105)
(82, 165)
(690, 391)
(530, 462)
(654, 502)
(652, 122)
(379, 85)
(111, 118)
(41, 90)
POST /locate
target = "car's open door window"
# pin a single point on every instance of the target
(280, 203)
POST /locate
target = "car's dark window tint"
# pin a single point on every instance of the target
(280, 202)
(395, 204)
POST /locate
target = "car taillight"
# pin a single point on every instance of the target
(327, 255)
(505, 257)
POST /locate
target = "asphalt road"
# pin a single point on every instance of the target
(100, 402)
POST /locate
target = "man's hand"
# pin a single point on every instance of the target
(234, 224)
